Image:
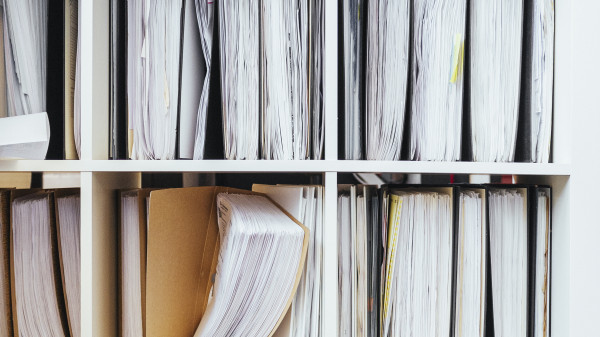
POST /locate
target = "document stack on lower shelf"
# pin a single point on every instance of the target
(217, 261)
(424, 81)
(40, 263)
(234, 80)
(39, 117)
(457, 260)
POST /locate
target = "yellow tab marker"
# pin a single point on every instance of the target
(457, 57)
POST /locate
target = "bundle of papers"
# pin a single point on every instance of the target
(239, 259)
(271, 79)
(194, 78)
(470, 292)
(205, 17)
(353, 77)
(387, 77)
(418, 265)
(437, 79)
(131, 291)
(284, 63)
(542, 79)
(261, 249)
(542, 266)
(37, 309)
(495, 52)
(6, 328)
(24, 136)
(315, 77)
(68, 226)
(239, 31)
(154, 42)
(413, 261)
(71, 92)
(508, 253)
(77, 92)
(359, 261)
(305, 203)
(25, 49)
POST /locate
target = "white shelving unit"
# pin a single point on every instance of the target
(576, 156)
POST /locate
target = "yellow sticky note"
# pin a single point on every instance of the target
(457, 57)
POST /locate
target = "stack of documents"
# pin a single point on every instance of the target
(153, 76)
(535, 120)
(508, 253)
(38, 309)
(353, 76)
(469, 314)
(315, 76)
(495, 66)
(37, 67)
(24, 136)
(23, 77)
(437, 79)
(541, 290)
(359, 260)
(68, 225)
(239, 29)
(305, 203)
(386, 77)
(418, 265)
(40, 262)
(284, 63)
(25, 50)
(77, 92)
(274, 47)
(413, 260)
(239, 261)
(195, 72)
(71, 61)
(6, 327)
(260, 253)
(205, 17)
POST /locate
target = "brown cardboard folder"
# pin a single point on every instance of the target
(182, 252)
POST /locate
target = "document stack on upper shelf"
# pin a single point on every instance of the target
(426, 82)
(234, 80)
(37, 79)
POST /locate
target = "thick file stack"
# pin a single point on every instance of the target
(495, 66)
(37, 74)
(471, 260)
(387, 69)
(458, 260)
(284, 68)
(205, 16)
(411, 63)
(240, 77)
(305, 203)
(437, 80)
(6, 327)
(153, 74)
(258, 63)
(360, 260)
(353, 77)
(537, 83)
(207, 231)
(45, 262)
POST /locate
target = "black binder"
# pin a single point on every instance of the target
(55, 80)
(117, 138)
(531, 193)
